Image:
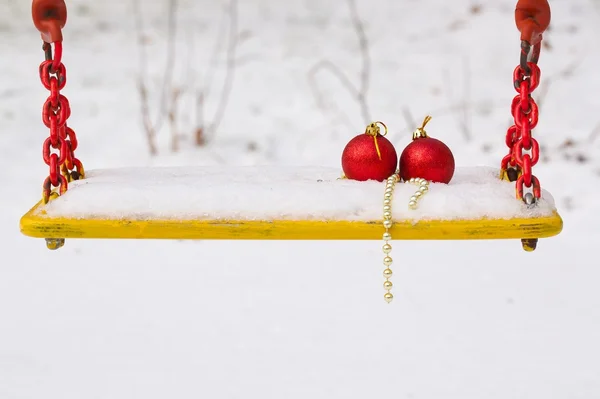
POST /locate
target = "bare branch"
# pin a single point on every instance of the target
(564, 73)
(172, 116)
(335, 71)
(358, 93)
(189, 69)
(170, 61)
(152, 128)
(201, 94)
(594, 134)
(410, 121)
(466, 115)
(366, 61)
(148, 127)
(217, 46)
(543, 92)
(170, 97)
(462, 107)
(230, 71)
(143, 90)
(200, 123)
(320, 98)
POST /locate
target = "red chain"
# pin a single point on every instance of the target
(532, 17)
(518, 138)
(49, 17)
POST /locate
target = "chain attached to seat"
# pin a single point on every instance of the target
(532, 18)
(58, 150)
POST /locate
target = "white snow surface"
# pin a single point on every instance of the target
(282, 193)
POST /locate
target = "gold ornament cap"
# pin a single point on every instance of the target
(420, 132)
(374, 130)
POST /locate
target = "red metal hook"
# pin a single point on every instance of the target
(532, 18)
(49, 17)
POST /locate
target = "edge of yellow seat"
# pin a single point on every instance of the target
(35, 225)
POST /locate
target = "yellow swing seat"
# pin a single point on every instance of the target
(284, 203)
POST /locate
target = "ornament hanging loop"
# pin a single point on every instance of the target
(374, 130)
(420, 132)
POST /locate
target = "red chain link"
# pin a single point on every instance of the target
(532, 18)
(524, 150)
(62, 139)
(49, 17)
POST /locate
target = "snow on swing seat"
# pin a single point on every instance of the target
(259, 202)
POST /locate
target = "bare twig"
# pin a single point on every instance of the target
(148, 127)
(201, 130)
(466, 115)
(543, 92)
(170, 97)
(320, 98)
(217, 47)
(366, 61)
(335, 71)
(173, 119)
(170, 61)
(200, 137)
(189, 68)
(594, 134)
(410, 121)
(153, 128)
(143, 90)
(358, 93)
(463, 105)
(564, 73)
(230, 71)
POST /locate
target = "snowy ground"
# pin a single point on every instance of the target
(471, 320)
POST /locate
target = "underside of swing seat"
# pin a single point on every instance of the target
(274, 202)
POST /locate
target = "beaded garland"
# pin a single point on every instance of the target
(388, 197)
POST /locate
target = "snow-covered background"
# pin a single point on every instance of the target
(218, 319)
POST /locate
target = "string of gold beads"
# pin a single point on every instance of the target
(388, 198)
(422, 190)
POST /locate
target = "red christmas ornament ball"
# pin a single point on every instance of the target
(361, 161)
(429, 159)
